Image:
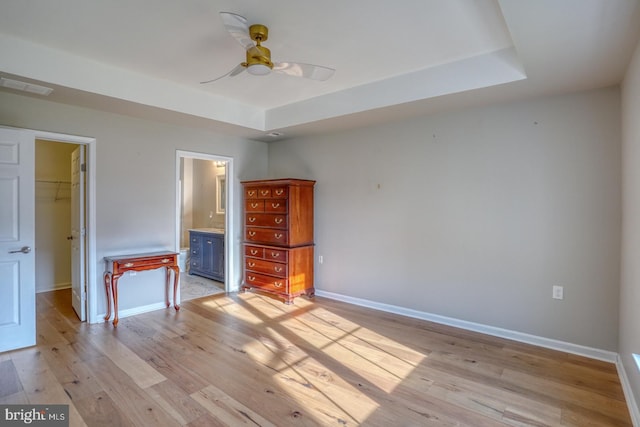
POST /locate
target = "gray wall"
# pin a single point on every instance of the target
(476, 214)
(630, 283)
(136, 180)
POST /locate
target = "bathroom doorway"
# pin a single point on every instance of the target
(203, 224)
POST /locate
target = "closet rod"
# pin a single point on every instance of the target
(53, 182)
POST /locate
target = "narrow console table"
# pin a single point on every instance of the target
(116, 266)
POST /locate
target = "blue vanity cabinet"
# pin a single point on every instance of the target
(207, 254)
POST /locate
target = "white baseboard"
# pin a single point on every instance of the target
(138, 310)
(628, 393)
(55, 287)
(594, 353)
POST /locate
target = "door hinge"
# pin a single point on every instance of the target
(83, 167)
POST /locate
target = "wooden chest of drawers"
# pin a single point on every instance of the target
(278, 237)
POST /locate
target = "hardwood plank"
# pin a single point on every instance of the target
(72, 373)
(99, 410)
(227, 409)
(40, 384)
(141, 372)
(173, 399)
(127, 396)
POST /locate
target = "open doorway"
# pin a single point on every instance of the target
(60, 221)
(203, 223)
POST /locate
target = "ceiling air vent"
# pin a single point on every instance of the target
(26, 87)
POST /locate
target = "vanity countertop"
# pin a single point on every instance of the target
(208, 230)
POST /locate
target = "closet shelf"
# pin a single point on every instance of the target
(58, 184)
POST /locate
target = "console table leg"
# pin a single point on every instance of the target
(107, 285)
(167, 272)
(176, 281)
(114, 291)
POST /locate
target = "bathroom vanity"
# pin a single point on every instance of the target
(206, 252)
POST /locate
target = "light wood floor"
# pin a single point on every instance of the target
(250, 360)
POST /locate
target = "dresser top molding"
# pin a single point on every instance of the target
(281, 181)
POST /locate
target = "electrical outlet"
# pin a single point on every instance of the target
(320, 259)
(558, 292)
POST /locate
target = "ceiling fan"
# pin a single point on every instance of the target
(259, 57)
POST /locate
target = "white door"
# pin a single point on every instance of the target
(78, 280)
(17, 238)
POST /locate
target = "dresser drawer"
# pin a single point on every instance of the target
(280, 192)
(278, 255)
(251, 193)
(266, 282)
(275, 205)
(254, 205)
(267, 267)
(266, 235)
(264, 192)
(254, 251)
(266, 220)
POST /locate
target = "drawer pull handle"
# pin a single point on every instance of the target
(252, 264)
(279, 191)
(254, 205)
(264, 192)
(252, 233)
(252, 278)
(252, 219)
(166, 260)
(209, 242)
(277, 284)
(278, 269)
(275, 254)
(275, 205)
(251, 192)
(129, 264)
(254, 251)
(279, 220)
(278, 235)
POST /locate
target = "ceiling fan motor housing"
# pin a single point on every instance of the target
(259, 55)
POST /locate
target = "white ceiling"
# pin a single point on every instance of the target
(392, 59)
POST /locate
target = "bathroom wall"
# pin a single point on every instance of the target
(205, 194)
(200, 203)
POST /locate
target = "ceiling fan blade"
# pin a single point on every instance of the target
(237, 26)
(297, 69)
(234, 72)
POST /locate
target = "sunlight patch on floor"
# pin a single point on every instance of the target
(305, 342)
(236, 310)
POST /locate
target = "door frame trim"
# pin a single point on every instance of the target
(90, 217)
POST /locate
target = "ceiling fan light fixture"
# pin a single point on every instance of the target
(258, 69)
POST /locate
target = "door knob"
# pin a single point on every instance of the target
(24, 250)
(69, 237)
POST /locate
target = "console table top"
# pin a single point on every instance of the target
(112, 258)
